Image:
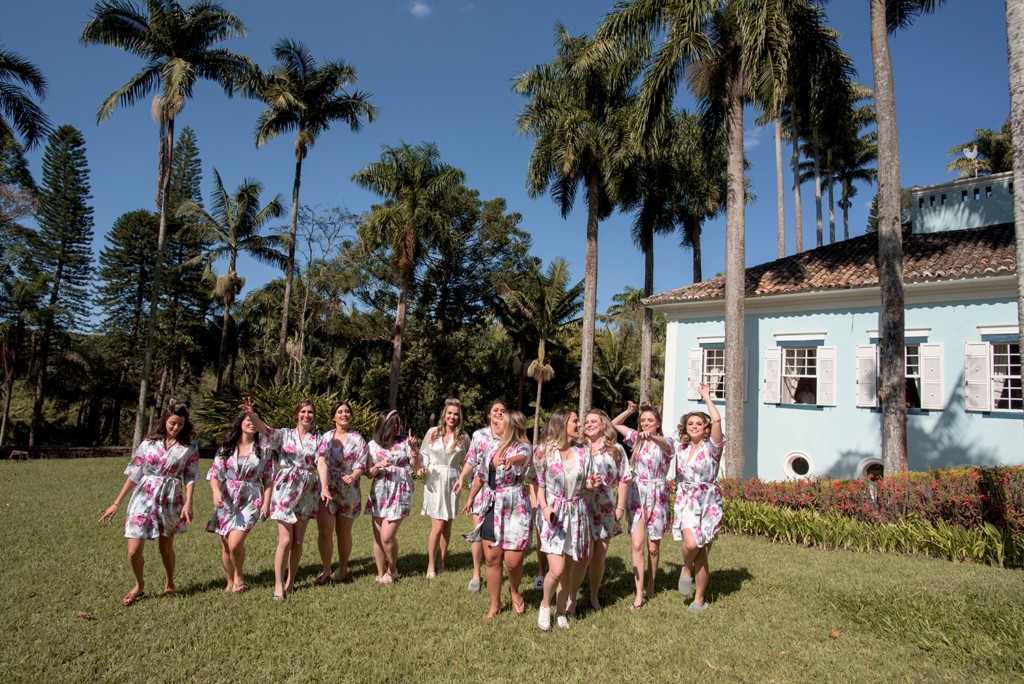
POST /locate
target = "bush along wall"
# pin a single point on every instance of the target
(974, 514)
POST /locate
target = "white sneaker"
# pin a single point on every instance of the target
(538, 583)
(544, 618)
(563, 622)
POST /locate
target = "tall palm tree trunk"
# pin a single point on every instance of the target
(647, 327)
(396, 346)
(224, 338)
(539, 376)
(817, 189)
(1015, 41)
(167, 147)
(831, 205)
(845, 204)
(781, 191)
(692, 227)
(283, 343)
(890, 253)
(522, 374)
(589, 298)
(735, 277)
(798, 207)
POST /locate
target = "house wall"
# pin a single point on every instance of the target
(838, 439)
(963, 203)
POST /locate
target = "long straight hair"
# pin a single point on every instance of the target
(556, 437)
(386, 429)
(609, 434)
(234, 433)
(514, 433)
(646, 408)
(187, 432)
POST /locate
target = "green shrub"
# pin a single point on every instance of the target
(276, 404)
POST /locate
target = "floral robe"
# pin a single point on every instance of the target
(158, 473)
(481, 448)
(242, 481)
(391, 491)
(513, 516)
(341, 461)
(601, 501)
(441, 461)
(647, 499)
(570, 533)
(296, 493)
(698, 504)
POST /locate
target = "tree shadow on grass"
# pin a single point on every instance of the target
(721, 583)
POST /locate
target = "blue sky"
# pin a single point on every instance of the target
(440, 71)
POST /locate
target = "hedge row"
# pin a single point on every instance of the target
(986, 544)
(960, 497)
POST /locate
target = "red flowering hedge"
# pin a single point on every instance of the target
(967, 497)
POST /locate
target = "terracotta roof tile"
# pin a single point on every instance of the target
(851, 264)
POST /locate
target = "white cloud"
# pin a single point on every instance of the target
(419, 9)
(467, 8)
(752, 137)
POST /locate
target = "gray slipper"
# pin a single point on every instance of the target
(698, 608)
(685, 584)
(474, 585)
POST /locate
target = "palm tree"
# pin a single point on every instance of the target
(729, 51)
(551, 306)
(415, 184)
(578, 115)
(234, 227)
(177, 44)
(307, 99)
(855, 159)
(17, 110)
(1015, 40)
(995, 152)
(886, 17)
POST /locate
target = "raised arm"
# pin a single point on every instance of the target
(619, 421)
(256, 421)
(716, 417)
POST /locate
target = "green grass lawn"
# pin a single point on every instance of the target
(899, 618)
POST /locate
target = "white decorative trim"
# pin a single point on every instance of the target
(907, 332)
(991, 179)
(862, 467)
(800, 337)
(929, 292)
(998, 329)
(711, 339)
(787, 465)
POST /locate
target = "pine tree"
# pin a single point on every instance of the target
(126, 284)
(61, 254)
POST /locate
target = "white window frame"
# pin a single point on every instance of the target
(787, 465)
(998, 387)
(825, 375)
(697, 372)
(980, 378)
(930, 375)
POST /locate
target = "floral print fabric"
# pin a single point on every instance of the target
(391, 491)
(569, 535)
(698, 504)
(441, 461)
(241, 487)
(481, 449)
(510, 498)
(296, 491)
(159, 474)
(341, 461)
(647, 499)
(601, 502)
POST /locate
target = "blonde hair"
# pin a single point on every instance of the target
(514, 433)
(460, 434)
(647, 408)
(610, 434)
(683, 436)
(556, 437)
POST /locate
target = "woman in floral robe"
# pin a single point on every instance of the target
(393, 459)
(342, 458)
(698, 505)
(293, 500)
(481, 448)
(647, 499)
(564, 471)
(607, 503)
(164, 464)
(506, 518)
(241, 478)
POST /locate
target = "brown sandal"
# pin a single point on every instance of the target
(131, 597)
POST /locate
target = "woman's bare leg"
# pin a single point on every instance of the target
(494, 558)
(564, 583)
(378, 548)
(638, 537)
(235, 542)
(446, 535)
(433, 541)
(229, 566)
(325, 523)
(653, 554)
(296, 553)
(551, 579)
(514, 563)
(281, 556)
(166, 545)
(389, 544)
(598, 555)
(137, 564)
(344, 527)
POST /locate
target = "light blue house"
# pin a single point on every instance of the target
(811, 329)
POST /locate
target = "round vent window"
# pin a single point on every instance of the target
(798, 465)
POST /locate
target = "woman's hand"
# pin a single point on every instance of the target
(187, 514)
(594, 481)
(421, 471)
(246, 405)
(630, 407)
(325, 495)
(466, 507)
(265, 511)
(704, 390)
(412, 443)
(218, 499)
(457, 489)
(109, 513)
(347, 479)
(619, 511)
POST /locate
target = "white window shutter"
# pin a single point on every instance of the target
(867, 376)
(933, 391)
(693, 379)
(746, 372)
(826, 376)
(977, 376)
(772, 375)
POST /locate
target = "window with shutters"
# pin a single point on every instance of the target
(925, 388)
(714, 372)
(912, 363)
(1006, 377)
(707, 365)
(799, 375)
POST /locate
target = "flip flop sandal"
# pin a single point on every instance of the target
(131, 598)
(236, 588)
(521, 608)
(633, 607)
(322, 579)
